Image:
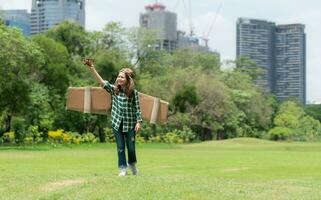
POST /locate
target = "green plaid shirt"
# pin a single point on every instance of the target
(124, 108)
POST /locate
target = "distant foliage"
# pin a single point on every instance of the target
(292, 123)
(208, 101)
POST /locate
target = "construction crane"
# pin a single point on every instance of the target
(188, 10)
(205, 37)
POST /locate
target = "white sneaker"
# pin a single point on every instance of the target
(122, 172)
(134, 169)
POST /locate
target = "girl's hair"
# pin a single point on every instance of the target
(130, 85)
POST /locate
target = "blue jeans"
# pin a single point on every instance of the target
(127, 138)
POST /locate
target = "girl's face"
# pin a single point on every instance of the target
(121, 79)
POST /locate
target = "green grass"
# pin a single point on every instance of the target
(231, 169)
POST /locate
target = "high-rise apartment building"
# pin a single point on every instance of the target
(164, 22)
(255, 41)
(290, 63)
(280, 51)
(47, 13)
(169, 38)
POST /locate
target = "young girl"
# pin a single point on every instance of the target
(125, 113)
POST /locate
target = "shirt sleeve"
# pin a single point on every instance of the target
(108, 87)
(137, 108)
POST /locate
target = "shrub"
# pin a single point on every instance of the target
(33, 135)
(89, 138)
(177, 136)
(109, 135)
(76, 138)
(139, 139)
(171, 137)
(56, 136)
(146, 131)
(66, 137)
(44, 126)
(61, 136)
(187, 135)
(18, 126)
(280, 133)
(8, 137)
(156, 139)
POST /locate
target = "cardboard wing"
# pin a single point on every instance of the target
(97, 100)
(88, 100)
(153, 109)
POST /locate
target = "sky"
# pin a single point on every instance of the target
(223, 15)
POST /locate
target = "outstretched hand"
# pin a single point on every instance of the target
(88, 62)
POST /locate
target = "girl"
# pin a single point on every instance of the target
(126, 115)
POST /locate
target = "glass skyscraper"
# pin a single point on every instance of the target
(280, 51)
(47, 13)
(17, 18)
(290, 70)
(255, 41)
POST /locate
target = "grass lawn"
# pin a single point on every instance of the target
(231, 169)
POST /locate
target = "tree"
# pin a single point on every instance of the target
(19, 57)
(183, 58)
(187, 96)
(258, 108)
(73, 36)
(299, 126)
(38, 112)
(250, 67)
(114, 36)
(314, 111)
(213, 114)
(54, 72)
(208, 61)
(142, 49)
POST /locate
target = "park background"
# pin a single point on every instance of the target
(239, 142)
(207, 100)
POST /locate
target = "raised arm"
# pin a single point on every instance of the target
(90, 64)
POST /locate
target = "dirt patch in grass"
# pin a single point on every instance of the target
(166, 166)
(235, 169)
(60, 184)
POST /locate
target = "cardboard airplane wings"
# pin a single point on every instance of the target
(97, 100)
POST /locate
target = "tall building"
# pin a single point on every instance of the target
(255, 41)
(280, 51)
(47, 13)
(17, 18)
(157, 18)
(164, 22)
(290, 63)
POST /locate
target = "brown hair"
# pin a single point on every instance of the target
(130, 85)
